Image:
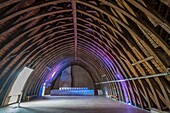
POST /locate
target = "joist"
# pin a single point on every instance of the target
(144, 60)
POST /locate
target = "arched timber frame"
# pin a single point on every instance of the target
(121, 39)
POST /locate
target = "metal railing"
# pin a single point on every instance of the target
(136, 78)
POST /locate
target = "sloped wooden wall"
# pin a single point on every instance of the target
(119, 38)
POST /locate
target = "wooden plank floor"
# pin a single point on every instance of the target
(72, 104)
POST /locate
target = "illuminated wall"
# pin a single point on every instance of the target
(65, 78)
(74, 76)
(81, 78)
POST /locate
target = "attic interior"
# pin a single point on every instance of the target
(118, 47)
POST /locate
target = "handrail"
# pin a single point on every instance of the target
(136, 78)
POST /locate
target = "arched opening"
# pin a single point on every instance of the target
(73, 80)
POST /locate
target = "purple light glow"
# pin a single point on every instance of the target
(68, 5)
(88, 30)
(106, 59)
(55, 71)
(124, 86)
(52, 73)
(109, 62)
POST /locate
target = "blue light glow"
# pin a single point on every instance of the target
(129, 103)
(72, 92)
(40, 91)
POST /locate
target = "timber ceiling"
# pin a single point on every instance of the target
(118, 38)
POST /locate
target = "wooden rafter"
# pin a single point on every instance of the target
(120, 39)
